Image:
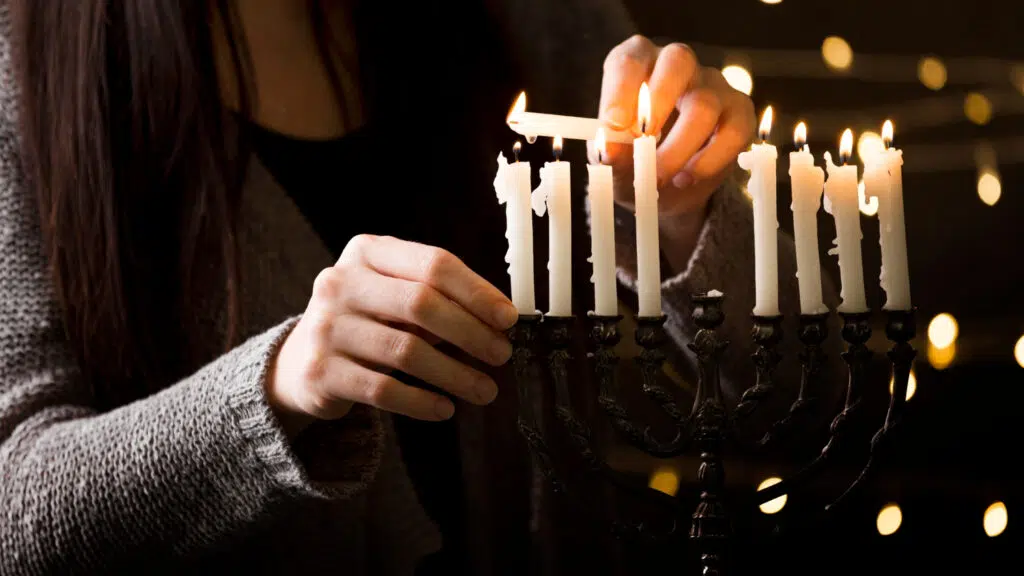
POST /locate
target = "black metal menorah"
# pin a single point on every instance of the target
(709, 425)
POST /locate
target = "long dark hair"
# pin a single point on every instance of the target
(137, 172)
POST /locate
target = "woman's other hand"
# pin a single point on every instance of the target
(380, 309)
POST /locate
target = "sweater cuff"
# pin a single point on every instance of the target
(355, 441)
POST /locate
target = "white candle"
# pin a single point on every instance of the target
(602, 232)
(760, 161)
(512, 185)
(532, 124)
(807, 182)
(554, 193)
(842, 203)
(645, 190)
(883, 178)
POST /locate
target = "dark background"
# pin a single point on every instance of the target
(959, 450)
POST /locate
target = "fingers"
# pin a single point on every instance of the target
(674, 72)
(438, 269)
(404, 301)
(734, 133)
(699, 112)
(380, 345)
(627, 66)
(341, 380)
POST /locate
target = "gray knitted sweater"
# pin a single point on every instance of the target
(200, 477)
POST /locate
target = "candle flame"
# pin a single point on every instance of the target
(518, 108)
(644, 107)
(600, 145)
(556, 147)
(766, 124)
(800, 135)
(846, 146)
(887, 134)
(516, 148)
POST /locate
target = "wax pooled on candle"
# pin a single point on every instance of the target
(512, 185)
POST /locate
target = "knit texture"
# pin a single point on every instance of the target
(198, 477)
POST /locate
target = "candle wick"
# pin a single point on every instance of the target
(600, 157)
(643, 126)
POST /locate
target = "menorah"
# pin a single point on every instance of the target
(709, 425)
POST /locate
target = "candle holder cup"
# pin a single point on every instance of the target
(708, 426)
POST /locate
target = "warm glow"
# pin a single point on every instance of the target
(978, 108)
(887, 133)
(989, 187)
(766, 124)
(1018, 351)
(941, 358)
(995, 519)
(800, 135)
(738, 78)
(869, 144)
(518, 108)
(846, 145)
(889, 520)
(911, 385)
(943, 330)
(867, 207)
(600, 145)
(771, 1)
(665, 479)
(556, 146)
(774, 505)
(1017, 77)
(931, 72)
(837, 53)
(644, 107)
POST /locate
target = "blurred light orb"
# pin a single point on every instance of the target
(989, 187)
(889, 520)
(867, 207)
(1018, 351)
(995, 519)
(837, 53)
(931, 72)
(739, 78)
(665, 479)
(943, 330)
(869, 144)
(776, 504)
(941, 358)
(911, 385)
(977, 108)
(771, 1)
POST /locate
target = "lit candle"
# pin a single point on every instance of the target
(532, 124)
(602, 232)
(512, 185)
(760, 161)
(842, 203)
(554, 193)
(807, 182)
(645, 199)
(883, 178)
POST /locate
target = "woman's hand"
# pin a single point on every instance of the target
(380, 309)
(704, 123)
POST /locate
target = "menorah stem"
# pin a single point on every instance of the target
(523, 337)
(813, 331)
(710, 527)
(558, 335)
(766, 333)
(651, 337)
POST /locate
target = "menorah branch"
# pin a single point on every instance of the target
(813, 331)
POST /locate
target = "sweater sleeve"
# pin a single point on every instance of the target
(166, 475)
(724, 260)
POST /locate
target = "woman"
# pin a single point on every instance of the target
(233, 235)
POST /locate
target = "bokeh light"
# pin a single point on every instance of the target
(837, 53)
(943, 330)
(739, 78)
(889, 520)
(869, 144)
(665, 479)
(911, 385)
(1018, 351)
(941, 358)
(776, 504)
(990, 189)
(931, 72)
(977, 108)
(995, 519)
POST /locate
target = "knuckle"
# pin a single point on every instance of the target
(315, 368)
(402, 348)
(633, 52)
(321, 326)
(705, 101)
(356, 246)
(326, 286)
(419, 302)
(680, 55)
(437, 261)
(377, 388)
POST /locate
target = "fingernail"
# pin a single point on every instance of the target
(506, 316)
(617, 117)
(501, 351)
(444, 409)
(682, 179)
(486, 390)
